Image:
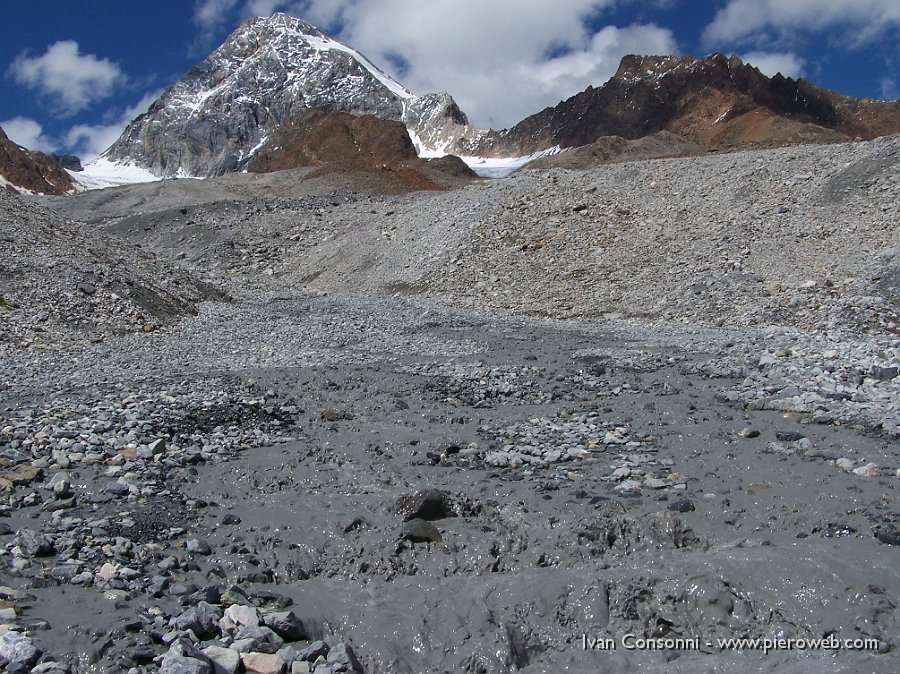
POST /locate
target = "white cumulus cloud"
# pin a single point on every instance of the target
(758, 21)
(771, 63)
(89, 141)
(70, 80)
(28, 133)
(501, 60)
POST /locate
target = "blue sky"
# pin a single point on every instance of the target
(72, 75)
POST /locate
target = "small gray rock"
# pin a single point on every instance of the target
(117, 488)
(19, 649)
(420, 531)
(684, 505)
(260, 639)
(198, 546)
(286, 625)
(312, 652)
(427, 504)
(35, 544)
(885, 373)
(202, 620)
(343, 659)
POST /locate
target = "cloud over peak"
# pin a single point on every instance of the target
(501, 60)
(772, 63)
(211, 15)
(28, 133)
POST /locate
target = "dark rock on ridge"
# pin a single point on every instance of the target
(22, 169)
(67, 161)
(715, 101)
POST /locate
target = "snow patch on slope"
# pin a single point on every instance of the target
(102, 173)
(4, 183)
(423, 150)
(325, 44)
(499, 167)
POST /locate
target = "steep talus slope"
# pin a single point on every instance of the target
(214, 119)
(717, 102)
(21, 169)
(60, 280)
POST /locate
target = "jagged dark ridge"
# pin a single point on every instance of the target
(715, 101)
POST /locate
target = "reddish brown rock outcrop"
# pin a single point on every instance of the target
(338, 142)
(22, 169)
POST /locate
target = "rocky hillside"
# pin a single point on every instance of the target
(62, 280)
(609, 149)
(364, 144)
(716, 102)
(269, 70)
(23, 170)
(804, 237)
(315, 137)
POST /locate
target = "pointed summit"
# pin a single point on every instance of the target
(269, 69)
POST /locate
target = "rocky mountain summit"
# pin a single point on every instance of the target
(31, 171)
(717, 102)
(215, 119)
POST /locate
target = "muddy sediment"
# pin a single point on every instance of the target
(600, 421)
(438, 490)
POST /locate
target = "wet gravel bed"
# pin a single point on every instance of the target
(479, 386)
(329, 484)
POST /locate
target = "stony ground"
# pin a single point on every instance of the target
(437, 491)
(802, 237)
(62, 282)
(338, 471)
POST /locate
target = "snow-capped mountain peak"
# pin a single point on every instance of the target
(215, 118)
